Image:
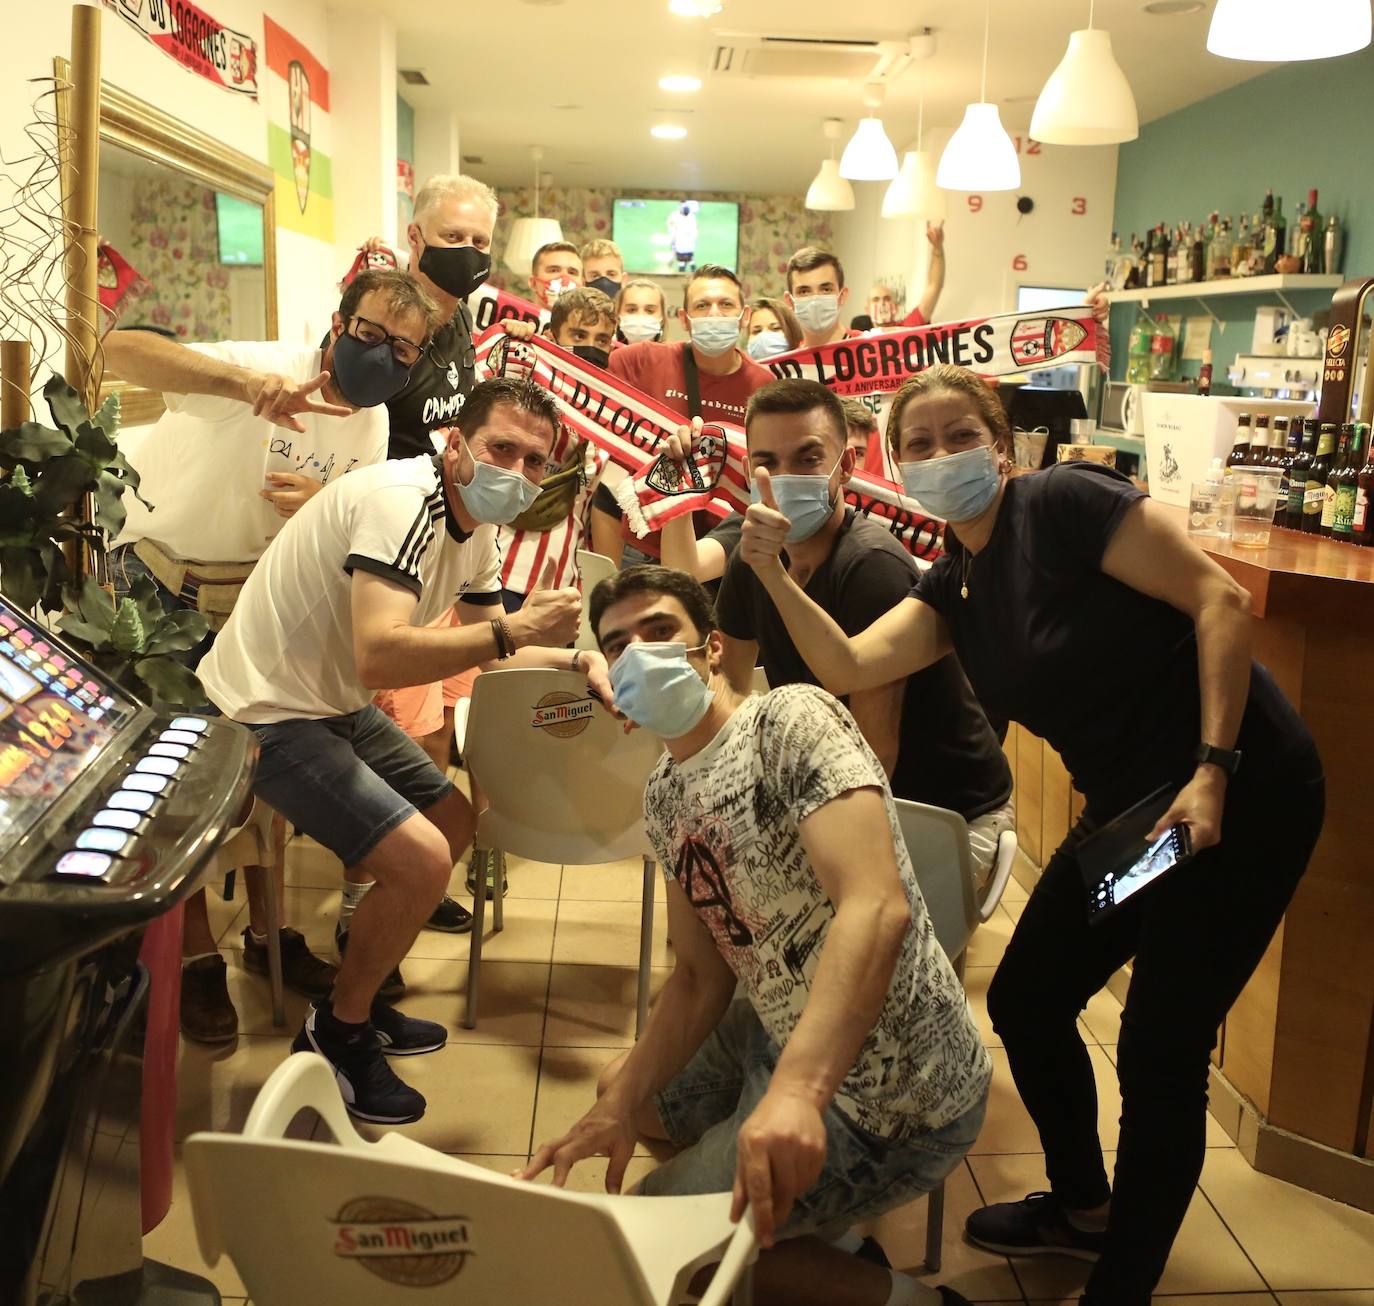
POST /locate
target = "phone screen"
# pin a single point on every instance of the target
(1162, 855)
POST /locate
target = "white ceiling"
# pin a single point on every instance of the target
(579, 77)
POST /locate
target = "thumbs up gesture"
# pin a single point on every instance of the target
(549, 617)
(765, 528)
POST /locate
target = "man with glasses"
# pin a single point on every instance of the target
(252, 431)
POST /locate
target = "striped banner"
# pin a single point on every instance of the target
(295, 88)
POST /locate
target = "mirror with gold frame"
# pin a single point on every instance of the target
(187, 230)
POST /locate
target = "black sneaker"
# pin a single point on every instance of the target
(370, 1089)
(405, 1036)
(871, 1250)
(301, 970)
(1035, 1226)
(490, 877)
(950, 1297)
(393, 986)
(450, 917)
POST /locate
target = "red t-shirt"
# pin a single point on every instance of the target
(914, 318)
(656, 369)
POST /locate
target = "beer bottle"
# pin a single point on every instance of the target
(1240, 446)
(1347, 487)
(1362, 527)
(1297, 473)
(1333, 478)
(1314, 496)
(1259, 441)
(1283, 460)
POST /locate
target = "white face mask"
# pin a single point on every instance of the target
(637, 329)
(766, 344)
(817, 312)
(715, 335)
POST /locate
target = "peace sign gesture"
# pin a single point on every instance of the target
(279, 398)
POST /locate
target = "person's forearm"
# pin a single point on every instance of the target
(685, 1012)
(680, 550)
(852, 978)
(1224, 659)
(607, 539)
(935, 283)
(147, 360)
(420, 655)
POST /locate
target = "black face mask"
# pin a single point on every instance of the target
(456, 269)
(596, 357)
(606, 286)
(366, 375)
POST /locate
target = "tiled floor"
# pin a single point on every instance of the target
(558, 993)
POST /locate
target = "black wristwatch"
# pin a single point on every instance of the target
(1226, 758)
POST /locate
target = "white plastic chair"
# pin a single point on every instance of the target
(563, 783)
(937, 840)
(390, 1223)
(592, 568)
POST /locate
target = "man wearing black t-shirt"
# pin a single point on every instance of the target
(928, 730)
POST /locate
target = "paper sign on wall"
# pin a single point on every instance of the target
(198, 42)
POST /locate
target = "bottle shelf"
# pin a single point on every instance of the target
(1273, 284)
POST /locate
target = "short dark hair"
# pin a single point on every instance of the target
(647, 579)
(553, 247)
(520, 391)
(811, 257)
(793, 395)
(706, 272)
(588, 304)
(859, 415)
(403, 294)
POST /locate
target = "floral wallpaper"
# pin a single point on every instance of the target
(771, 227)
(176, 246)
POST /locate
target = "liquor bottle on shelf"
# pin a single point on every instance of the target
(1258, 227)
(1314, 496)
(1362, 527)
(1197, 266)
(1284, 462)
(1147, 268)
(1171, 259)
(1159, 257)
(1333, 478)
(1259, 441)
(1275, 235)
(1307, 241)
(1204, 376)
(1112, 261)
(1132, 265)
(1332, 245)
(1240, 445)
(1297, 473)
(1242, 247)
(1347, 487)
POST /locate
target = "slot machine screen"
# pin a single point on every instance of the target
(57, 716)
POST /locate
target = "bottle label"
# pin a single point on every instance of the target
(1313, 499)
(1296, 491)
(1329, 507)
(1343, 520)
(1361, 510)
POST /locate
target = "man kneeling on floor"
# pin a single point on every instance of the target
(848, 1077)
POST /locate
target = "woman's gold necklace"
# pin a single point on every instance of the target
(963, 588)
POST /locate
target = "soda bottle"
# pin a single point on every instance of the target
(1138, 351)
(1162, 350)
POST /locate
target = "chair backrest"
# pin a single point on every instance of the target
(937, 840)
(593, 568)
(565, 783)
(368, 1224)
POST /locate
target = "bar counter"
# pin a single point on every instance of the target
(1293, 1081)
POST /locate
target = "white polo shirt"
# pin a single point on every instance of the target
(205, 460)
(287, 649)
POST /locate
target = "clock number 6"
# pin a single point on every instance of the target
(1019, 263)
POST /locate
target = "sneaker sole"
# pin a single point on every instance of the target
(1011, 1249)
(464, 928)
(353, 1109)
(390, 1050)
(382, 1120)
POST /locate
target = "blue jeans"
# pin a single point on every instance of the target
(704, 1107)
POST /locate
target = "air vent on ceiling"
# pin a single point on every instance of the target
(753, 54)
(473, 160)
(412, 77)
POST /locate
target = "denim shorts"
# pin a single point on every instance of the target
(704, 1107)
(346, 781)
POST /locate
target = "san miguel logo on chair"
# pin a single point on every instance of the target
(562, 714)
(1040, 340)
(701, 471)
(298, 92)
(402, 1243)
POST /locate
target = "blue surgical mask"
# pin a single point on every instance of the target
(805, 501)
(957, 487)
(496, 495)
(657, 688)
(638, 329)
(766, 344)
(817, 312)
(715, 336)
(366, 375)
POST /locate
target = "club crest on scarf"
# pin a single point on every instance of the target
(701, 472)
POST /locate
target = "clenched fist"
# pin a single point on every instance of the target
(550, 617)
(765, 528)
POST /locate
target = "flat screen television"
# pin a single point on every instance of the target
(240, 231)
(675, 236)
(1035, 299)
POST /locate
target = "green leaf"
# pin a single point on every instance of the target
(20, 521)
(33, 442)
(109, 416)
(95, 444)
(177, 632)
(61, 483)
(22, 575)
(171, 683)
(110, 512)
(19, 479)
(91, 603)
(126, 634)
(148, 599)
(64, 404)
(94, 636)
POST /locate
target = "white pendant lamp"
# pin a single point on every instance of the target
(530, 234)
(910, 191)
(1282, 31)
(869, 156)
(1087, 100)
(829, 192)
(980, 155)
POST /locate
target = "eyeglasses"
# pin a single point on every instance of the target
(406, 352)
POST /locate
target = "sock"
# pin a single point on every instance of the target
(907, 1291)
(850, 1241)
(343, 1028)
(353, 894)
(259, 939)
(199, 956)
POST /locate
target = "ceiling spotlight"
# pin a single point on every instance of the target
(694, 8)
(668, 131)
(1168, 8)
(679, 83)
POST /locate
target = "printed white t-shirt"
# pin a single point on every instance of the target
(726, 824)
(287, 648)
(205, 460)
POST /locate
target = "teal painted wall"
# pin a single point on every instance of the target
(1301, 125)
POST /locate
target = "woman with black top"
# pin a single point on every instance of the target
(1080, 610)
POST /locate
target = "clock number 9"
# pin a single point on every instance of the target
(975, 203)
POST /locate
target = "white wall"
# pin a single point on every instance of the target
(1059, 246)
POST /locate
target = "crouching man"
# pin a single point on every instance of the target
(847, 1077)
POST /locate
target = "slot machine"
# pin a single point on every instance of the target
(109, 814)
